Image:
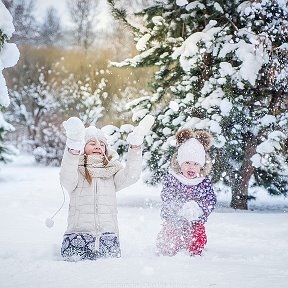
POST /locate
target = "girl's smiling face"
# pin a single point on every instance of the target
(95, 147)
(190, 169)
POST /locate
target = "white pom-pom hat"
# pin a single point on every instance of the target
(191, 150)
(93, 133)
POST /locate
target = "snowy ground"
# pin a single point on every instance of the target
(245, 249)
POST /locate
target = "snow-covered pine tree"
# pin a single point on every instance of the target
(222, 66)
(9, 55)
(2, 148)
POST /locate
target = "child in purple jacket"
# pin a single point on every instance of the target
(187, 196)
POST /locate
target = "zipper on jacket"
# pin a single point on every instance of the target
(96, 226)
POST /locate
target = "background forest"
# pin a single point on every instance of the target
(220, 66)
(64, 71)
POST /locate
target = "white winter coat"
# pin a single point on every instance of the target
(92, 208)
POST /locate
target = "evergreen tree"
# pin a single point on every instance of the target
(6, 151)
(222, 66)
(9, 55)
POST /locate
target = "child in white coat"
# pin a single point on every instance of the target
(92, 174)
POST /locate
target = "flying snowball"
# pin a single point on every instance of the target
(191, 211)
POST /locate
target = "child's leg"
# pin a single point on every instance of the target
(109, 245)
(77, 247)
(169, 240)
(197, 240)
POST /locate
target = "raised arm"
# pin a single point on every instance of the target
(69, 170)
(132, 171)
(75, 130)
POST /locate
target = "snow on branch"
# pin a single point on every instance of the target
(9, 53)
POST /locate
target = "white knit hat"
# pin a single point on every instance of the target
(93, 133)
(191, 150)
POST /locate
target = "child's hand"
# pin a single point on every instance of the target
(144, 125)
(190, 211)
(75, 132)
(74, 128)
(136, 137)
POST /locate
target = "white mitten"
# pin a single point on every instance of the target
(191, 211)
(137, 136)
(144, 125)
(134, 139)
(75, 132)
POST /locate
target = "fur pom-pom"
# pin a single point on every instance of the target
(49, 222)
(183, 135)
(205, 138)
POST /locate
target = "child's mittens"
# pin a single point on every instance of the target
(137, 136)
(75, 132)
(144, 125)
(190, 211)
(134, 139)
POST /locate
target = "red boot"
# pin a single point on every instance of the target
(197, 240)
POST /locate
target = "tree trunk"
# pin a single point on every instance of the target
(241, 182)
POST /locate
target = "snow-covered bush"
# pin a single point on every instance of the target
(83, 97)
(50, 150)
(39, 108)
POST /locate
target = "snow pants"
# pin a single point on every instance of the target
(82, 246)
(171, 239)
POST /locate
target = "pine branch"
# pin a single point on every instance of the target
(120, 14)
(3, 39)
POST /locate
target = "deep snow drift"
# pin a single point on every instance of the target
(245, 248)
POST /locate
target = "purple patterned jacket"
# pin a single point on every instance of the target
(175, 194)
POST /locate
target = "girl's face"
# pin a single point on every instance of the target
(94, 147)
(190, 169)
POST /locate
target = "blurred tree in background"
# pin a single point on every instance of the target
(50, 31)
(26, 26)
(82, 14)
